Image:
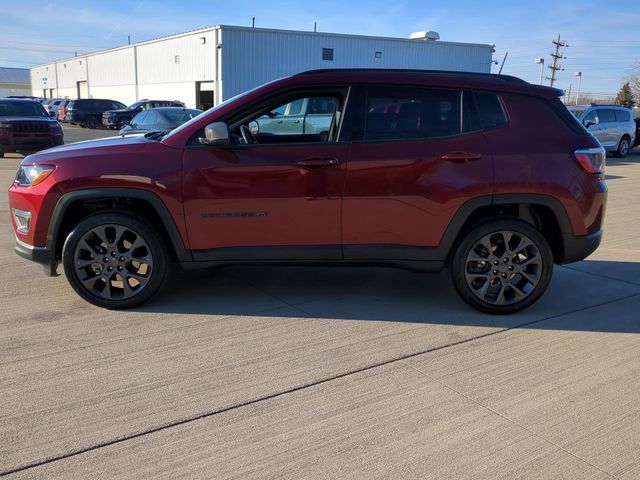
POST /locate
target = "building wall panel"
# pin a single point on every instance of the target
(282, 53)
(183, 91)
(178, 59)
(116, 67)
(121, 93)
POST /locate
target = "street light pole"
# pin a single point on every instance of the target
(579, 75)
(541, 62)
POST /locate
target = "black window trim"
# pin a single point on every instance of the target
(365, 105)
(238, 117)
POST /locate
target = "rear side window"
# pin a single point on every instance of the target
(606, 115)
(622, 116)
(491, 112)
(396, 113)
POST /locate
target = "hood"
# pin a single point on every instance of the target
(90, 148)
(26, 119)
(120, 110)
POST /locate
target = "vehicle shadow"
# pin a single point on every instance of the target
(392, 295)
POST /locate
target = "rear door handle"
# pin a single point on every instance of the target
(311, 163)
(461, 157)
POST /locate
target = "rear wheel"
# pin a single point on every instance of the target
(623, 147)
(91, 122)
(115, 261)
(502, 266)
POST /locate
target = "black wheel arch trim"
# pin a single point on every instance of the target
(465, 212)
(182, 254)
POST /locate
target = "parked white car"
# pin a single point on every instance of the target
(612, 125)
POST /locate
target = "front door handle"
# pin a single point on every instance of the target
(311, 163)
(461, 157)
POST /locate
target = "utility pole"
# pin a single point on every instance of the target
(556, 55)
(579, 75)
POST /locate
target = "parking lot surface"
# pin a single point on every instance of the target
(296, 372)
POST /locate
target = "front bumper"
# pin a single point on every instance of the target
(41, 255)
(578, 248)
(109, 122)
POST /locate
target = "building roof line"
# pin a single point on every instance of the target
(272, 30)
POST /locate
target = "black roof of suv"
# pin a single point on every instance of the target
(121, 117)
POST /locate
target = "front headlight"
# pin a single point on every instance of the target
(32, 175)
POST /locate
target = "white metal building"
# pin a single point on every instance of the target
(14, 81)
(210, 65)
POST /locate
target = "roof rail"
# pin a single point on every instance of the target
(506, 78)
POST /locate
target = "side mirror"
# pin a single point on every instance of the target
(52, 114)
(216, 134)
(589, 123)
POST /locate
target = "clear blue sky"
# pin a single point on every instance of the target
(602, 34)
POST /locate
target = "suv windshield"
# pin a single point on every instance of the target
(21, 109)
(576, 112)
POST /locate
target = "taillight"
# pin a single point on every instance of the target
(591, 160)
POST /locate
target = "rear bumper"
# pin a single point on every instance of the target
(41, 255)
(578, 248)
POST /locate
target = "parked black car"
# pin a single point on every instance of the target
(118, 119)
(87, 112)
(159, 120)
(26, 127)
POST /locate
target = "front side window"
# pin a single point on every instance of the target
(591, 117)
(397, 113)
(301, 120)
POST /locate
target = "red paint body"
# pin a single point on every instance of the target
(384, 193)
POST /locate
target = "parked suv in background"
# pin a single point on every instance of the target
(87, 112)
(303, 116)
(612, 125)
(418, 169)
(26, 127)
(120, 118)
(62, 111)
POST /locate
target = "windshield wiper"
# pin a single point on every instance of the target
(156, 134)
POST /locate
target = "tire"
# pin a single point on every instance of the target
(623, 147)
(508, 286)
(110, 239)
(91, 122)
(123, 122)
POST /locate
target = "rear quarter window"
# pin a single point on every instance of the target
(622, 116)
(492, 114)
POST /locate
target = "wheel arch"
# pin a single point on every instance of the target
(544, 212)
(74, 206)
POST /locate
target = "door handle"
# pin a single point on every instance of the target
(311, 163)
(461, 157)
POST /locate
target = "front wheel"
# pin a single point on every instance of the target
(115, 261)
(502, 266)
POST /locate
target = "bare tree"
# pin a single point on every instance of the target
(633, 78)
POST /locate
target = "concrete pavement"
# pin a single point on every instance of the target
(294, 372)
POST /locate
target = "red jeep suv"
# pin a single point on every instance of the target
(484, 173)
